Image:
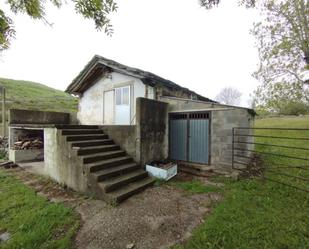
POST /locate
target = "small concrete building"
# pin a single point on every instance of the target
(196, 130)
(127, 118)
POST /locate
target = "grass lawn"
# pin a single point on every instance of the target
(29, 95)
(259, 214)
(195, 187)
(32, 221)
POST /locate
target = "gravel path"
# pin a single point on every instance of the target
(156, 218)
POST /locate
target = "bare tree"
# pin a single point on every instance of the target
(229, 96)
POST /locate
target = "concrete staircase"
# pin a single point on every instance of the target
(113, 175)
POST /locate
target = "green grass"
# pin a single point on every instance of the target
(34, 96)
(259, 214)
(32, 221)
(194, 187)
(276, 165)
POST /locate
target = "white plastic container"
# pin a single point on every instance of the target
(161, 173)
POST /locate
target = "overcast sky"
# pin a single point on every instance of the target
(204, 50)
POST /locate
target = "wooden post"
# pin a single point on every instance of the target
(3, 111)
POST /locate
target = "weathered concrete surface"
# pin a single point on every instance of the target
(125, 136)
(26, 155)
(147, 140)
(91, 104)
(151, 125)
(34, 167)
(62, 163)
(37, 117)
(222, 120)
(222, 123)
(16, 133)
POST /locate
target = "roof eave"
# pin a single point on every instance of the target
(146, 77)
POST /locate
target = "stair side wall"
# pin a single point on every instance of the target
(126, 137)
(62, 163)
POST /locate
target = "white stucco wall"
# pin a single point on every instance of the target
(91, 109)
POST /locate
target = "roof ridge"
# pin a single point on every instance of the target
(147, 77)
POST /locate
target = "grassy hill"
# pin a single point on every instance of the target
(35, 96)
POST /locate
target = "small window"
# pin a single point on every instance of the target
(122, 95)
(118, 94)
(125, 95)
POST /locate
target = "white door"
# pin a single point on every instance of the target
(109, 107)
(122, 105)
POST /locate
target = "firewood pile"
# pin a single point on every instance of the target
(28, 144)
(4, 143)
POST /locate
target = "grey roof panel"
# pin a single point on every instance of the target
(147, 78)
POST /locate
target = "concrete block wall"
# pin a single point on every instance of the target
(222, 123)
(223, 120)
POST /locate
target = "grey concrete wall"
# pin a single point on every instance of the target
(125, 136)
(26, 155)
(223, 119)
(17, 116)
(151, 129)
(15, 135)
(62, 164)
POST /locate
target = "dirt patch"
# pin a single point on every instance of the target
(156, 218)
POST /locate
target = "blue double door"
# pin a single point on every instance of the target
(189, 137)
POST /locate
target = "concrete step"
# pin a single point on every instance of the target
(80, 132)
(104, 164)
(115, 171)
(68, 126)
(119, 181)
(125, 192)
(103, 156)
(89, 143)
(96, 149)
(86, 137)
